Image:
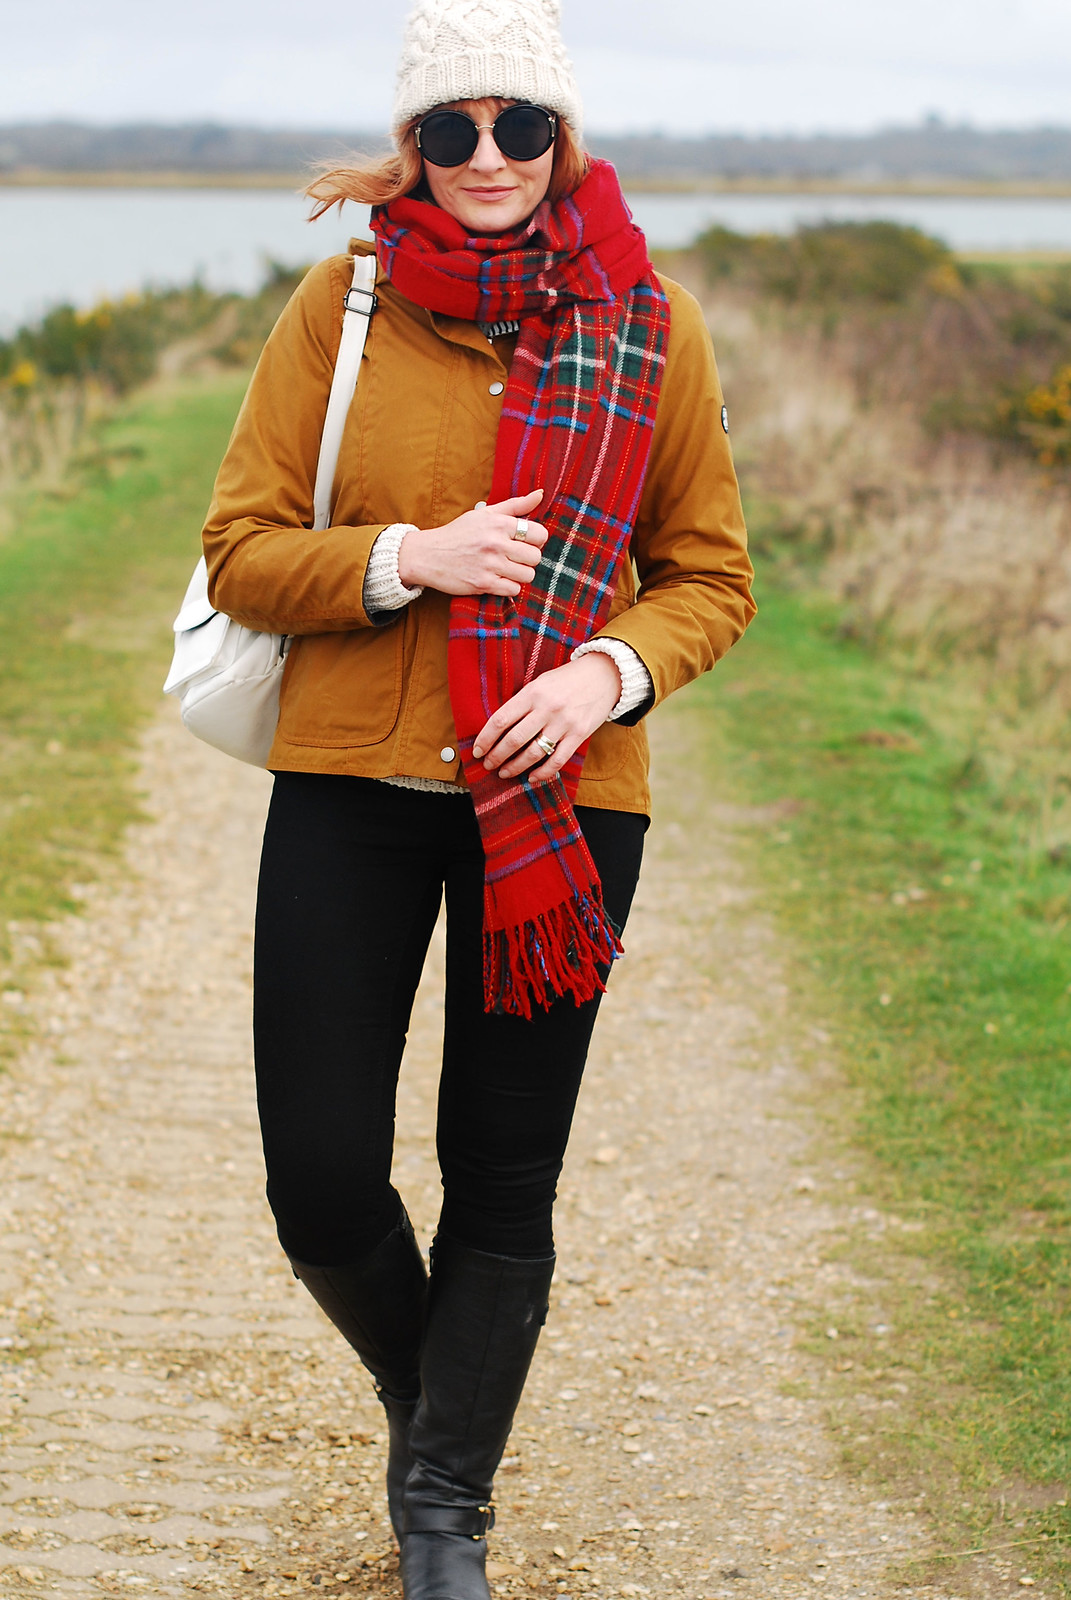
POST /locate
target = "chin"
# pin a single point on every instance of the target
(489, 219)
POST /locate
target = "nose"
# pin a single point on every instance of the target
(487, 158)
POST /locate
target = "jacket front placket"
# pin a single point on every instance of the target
(474, 385)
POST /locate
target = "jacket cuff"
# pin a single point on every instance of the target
(636, 685)
(383, 588)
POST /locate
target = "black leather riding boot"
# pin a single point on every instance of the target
(483, 1325)
(379, 1306)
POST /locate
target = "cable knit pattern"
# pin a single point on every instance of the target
(426, 785)
(383, 588)
(636, 685)
(469, 49)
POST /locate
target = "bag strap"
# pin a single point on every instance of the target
(360, 303)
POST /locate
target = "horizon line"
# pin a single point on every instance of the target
(931, 122)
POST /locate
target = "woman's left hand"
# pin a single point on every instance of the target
(565, 705)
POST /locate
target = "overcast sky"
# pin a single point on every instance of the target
(680, 65)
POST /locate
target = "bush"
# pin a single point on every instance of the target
(256, 316)
(49, 370)
(1042, 416)
(724, 254)
(115, 344)
(831, 262)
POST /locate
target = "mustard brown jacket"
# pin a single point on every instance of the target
(369, 696)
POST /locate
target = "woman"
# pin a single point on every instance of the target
(538, 420)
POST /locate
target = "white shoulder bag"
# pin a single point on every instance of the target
(227, 677)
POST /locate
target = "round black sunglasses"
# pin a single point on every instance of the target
(523, 133)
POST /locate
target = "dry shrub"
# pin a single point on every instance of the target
(40, 431)
(976, 349)
(951, 551)
(951, 544)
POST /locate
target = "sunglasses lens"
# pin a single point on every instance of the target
(524, 133)
(448, 139)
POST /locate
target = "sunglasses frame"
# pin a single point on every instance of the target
(478, 128)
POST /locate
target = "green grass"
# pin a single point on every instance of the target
(938, 944)
(88, 583)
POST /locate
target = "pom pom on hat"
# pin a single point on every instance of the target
(471, 49)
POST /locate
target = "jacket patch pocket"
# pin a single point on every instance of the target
(342, 690)
(608, 752)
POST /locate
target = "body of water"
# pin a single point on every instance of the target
(83, 244)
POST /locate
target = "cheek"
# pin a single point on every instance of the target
(540, 173)
(437, 179)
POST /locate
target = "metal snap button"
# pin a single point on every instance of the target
(448, 753)
(497, 388)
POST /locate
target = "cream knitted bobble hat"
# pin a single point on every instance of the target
(469, 49)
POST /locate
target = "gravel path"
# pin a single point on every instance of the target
(176, 1415)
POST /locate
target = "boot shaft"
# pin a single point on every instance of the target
(379, 1306)
(484, 1319)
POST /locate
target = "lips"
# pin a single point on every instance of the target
(489, 194)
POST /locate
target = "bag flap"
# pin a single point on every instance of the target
(198, 648)
(197, 609)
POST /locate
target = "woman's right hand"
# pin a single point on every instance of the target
(478, 553)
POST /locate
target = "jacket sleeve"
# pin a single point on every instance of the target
(690, 543)
(266, 567)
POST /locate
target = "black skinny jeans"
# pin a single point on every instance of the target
(351, 881)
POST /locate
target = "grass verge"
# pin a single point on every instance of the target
(938, 944)
(88, 583)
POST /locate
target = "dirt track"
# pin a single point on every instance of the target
(177, 1417)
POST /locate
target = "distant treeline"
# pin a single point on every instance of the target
(152, 147)
(932, 150)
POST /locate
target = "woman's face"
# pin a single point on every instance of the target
(490, 193)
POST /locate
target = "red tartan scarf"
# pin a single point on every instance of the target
(577, 421)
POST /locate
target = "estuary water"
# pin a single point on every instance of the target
(81, 245)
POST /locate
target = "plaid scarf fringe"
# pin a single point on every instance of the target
(563, 951)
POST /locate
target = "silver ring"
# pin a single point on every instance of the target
(548, 746)
(522, 528)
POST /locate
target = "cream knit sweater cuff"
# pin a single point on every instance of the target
(383, 589)
(636, 685)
